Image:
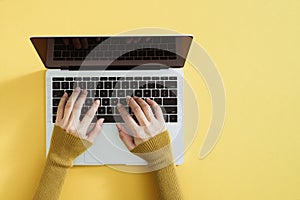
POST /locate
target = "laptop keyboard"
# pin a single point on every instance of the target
(118, 48)
(113, 90)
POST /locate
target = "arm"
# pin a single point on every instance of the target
(162, 164)
(69, 140)
(64, 149)
(149, 139)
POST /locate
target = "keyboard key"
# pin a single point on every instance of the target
(138, 78)
(113, 101)
(164, 93)
(146, 78)
(103, 93)
(107, 85)
(65, 85)
(155, 93)
(169, 110)
(173, 118)
(112, 78)
(171, 84)
(142, 84)
(103, 78)
(58, 78)
(120, 93)
(55, 102)
(82, 85)
(116, 84)
(109, 110)
(55, 85)
(88, 102)
(123, 101)
(72, 85)
(129, 78)
(147, 93)
(57, 93)
(129, 93)
(95, 78)
(172, 78)
(160, 84)
(158, 101)
(54, 110)
(105, 102)
(112, 93)
(138, 93)
(133, 84)
(151, 84)
(99, 85)
(53, 118)
(101, 110)
(90, 85)
(169, 101)
(111, 118)
(172, 93)
(69, 92)
(125, 85)
(164, 78)
(166, 118)
(86, 78)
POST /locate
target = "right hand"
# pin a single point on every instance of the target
(149, 124)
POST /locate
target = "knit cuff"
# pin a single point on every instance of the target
(65, 147)
(157, 151)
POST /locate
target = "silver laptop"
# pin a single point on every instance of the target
(110, 68)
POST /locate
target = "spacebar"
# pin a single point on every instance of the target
(111, 118)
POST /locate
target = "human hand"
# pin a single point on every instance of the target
(68, 113)
(149, 124)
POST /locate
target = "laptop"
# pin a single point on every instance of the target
(110, 68)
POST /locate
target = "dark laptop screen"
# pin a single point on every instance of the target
(114, 51)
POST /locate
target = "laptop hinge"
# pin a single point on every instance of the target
(95, 68)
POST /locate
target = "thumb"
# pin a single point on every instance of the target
(95, 131)
(125, 137)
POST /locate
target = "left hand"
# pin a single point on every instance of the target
(68, 113)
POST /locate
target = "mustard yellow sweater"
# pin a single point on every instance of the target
(66, 147)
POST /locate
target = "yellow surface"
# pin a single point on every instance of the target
(256, 46)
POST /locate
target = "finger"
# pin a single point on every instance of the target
(66, 41)
(84, 43)
(70, 103)
(92, 135)
(76, 43)
(157, 110)
(146, 108)
(61, 106)
(125, 137)
(127, 117)
(136, 109)
(89, 116)
(78, 104)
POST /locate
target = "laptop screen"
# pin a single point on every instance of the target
(116, 52)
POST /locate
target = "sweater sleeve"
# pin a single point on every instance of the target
(158, 153)
(64, 149)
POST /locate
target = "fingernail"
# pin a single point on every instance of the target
(100, 121)
(119, 105)
(97, 102)
(128, 99)
(77, 88)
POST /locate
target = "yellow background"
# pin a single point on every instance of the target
(256, 47)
